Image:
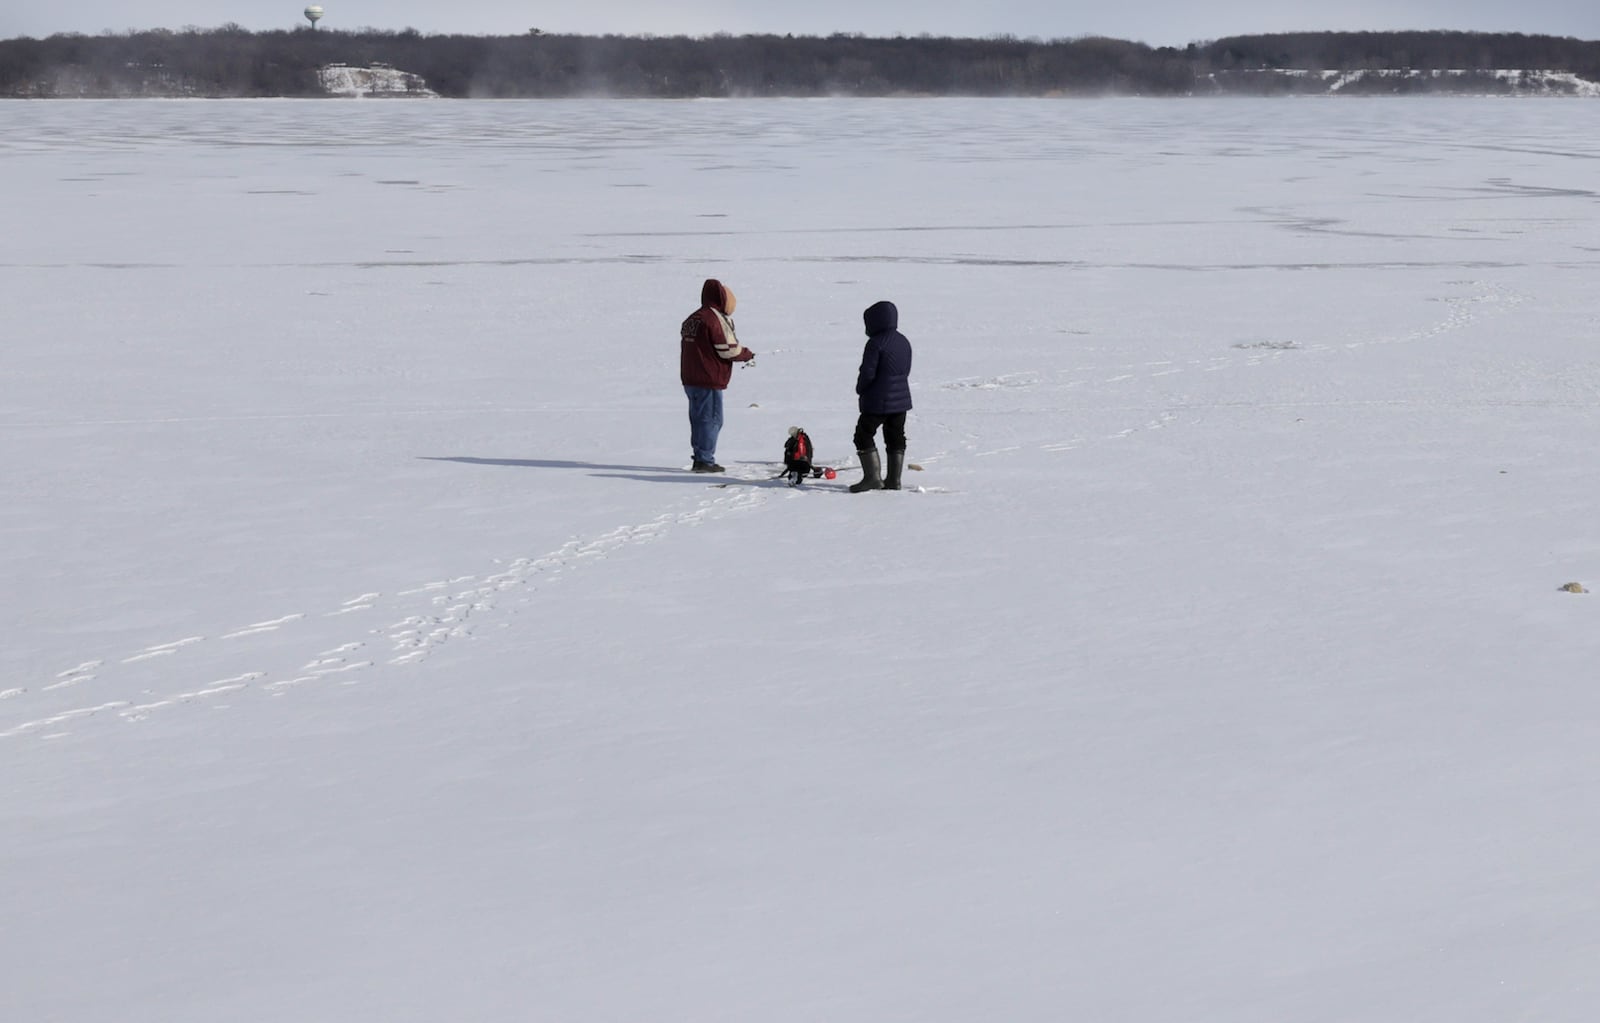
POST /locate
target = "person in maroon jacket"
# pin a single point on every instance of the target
(710, 348)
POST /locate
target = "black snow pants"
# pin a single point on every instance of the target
(894, 431)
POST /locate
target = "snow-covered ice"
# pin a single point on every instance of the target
(371, 656)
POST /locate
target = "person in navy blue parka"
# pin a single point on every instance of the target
(884, 389)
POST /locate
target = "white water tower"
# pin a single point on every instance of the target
(313, 14)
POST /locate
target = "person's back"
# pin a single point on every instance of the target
(883, 392)
(884, 382)
(710, 346)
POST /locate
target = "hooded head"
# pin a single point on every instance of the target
(717, 295)
(881, 317)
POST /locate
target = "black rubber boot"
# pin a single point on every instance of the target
(870, 467)
(897, 463)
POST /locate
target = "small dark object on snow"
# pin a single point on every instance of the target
(797, 459)
(797, 453)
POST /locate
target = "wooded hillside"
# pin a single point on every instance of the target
(231, 61)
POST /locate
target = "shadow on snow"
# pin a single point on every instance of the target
(642, 473)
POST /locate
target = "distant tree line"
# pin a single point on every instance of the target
(232, 61)
(1235, 64)
(1420, 51)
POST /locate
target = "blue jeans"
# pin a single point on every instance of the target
(705, 421)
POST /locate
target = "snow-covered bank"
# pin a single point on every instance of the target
(379, 80)
(1382, 81)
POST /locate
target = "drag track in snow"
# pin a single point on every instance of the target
(377, 629)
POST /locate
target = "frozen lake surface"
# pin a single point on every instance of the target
(374, 658)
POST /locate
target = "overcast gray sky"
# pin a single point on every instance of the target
(1157, 22)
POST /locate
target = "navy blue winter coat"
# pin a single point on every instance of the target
(884, 383)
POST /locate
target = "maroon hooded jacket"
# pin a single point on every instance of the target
(710, 347)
